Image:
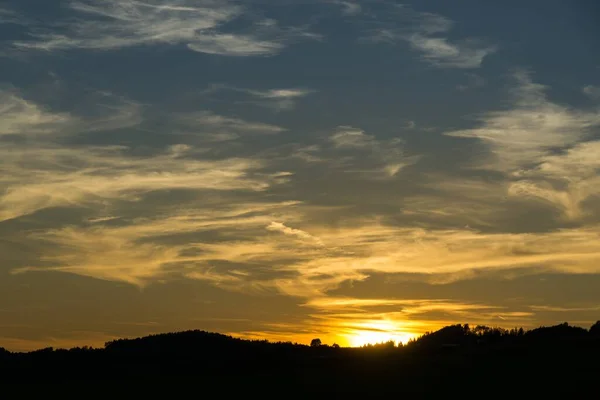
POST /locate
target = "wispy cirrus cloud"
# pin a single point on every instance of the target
(457, 201)
(40, 173)
(286, 230)
(115, 24)
(142, 251)
(441, 52)
(9, 17)
(443, 254)
(428, 33)
(230, 233)
(22, 117)
(220, 128)
(282, 99)
(592, 91)
(349, 8)
(388, 155)
(244, 257)
(230, 44)
(46, 177)
(544, 149)
(409, 308)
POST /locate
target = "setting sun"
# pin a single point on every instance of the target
(374, 332)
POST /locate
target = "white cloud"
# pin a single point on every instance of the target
(427, 33)
(286, 230)
(114, 24)
(440, 52)
(349, 7)
(523, 142)
(577, 169)
(234, 45)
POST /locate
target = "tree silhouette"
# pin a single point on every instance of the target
(487, 356)
(595, 329)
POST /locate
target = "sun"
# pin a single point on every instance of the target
(373, 332)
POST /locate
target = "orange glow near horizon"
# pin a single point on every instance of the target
(374, 332)
(356, 333)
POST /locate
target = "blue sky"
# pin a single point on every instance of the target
(353, 170)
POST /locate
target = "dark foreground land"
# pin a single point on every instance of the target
(551, 362)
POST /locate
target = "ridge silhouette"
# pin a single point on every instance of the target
(560, 359)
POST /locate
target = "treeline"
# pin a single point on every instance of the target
(555, 359)
(464, 335)
(201, 342)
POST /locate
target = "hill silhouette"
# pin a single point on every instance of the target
(561, 359)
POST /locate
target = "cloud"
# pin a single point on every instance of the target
(440, 52)
(427, 33)
(45, 177)
(230, 44)
(9, 17)
(349, 137)
(139, 252)
(181, 241)
(443, 199)
(207, 118)
(577, 169)
(22, 117)
(349, 7)
(533, 142)
(286, 230)
(451, 254)
(116, 24)
(592, 91)
(40, 173)
(218, 128)
(98, 181)
(277, 99)
(388, 155)
(409, 308)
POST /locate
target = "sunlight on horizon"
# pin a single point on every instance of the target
(375, 332)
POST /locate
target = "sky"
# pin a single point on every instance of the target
(356, 171)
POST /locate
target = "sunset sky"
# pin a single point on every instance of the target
(357, 171)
